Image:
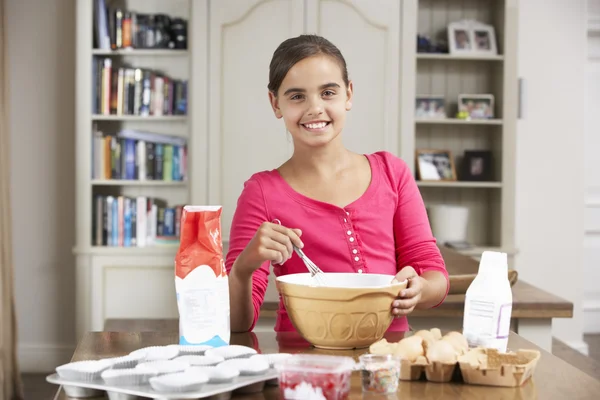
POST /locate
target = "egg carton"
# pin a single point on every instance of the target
(170, 373)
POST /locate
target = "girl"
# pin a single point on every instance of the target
(350, 212)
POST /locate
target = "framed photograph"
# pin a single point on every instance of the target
(476, 106)
(477, 166)
(460, 40)
(484, 39)
(469, 37)
(430, 106)
(435, 165)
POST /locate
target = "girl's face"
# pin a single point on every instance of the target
(313, 100)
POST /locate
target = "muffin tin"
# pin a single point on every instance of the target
(169, 373)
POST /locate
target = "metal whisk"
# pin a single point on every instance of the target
(315, 272)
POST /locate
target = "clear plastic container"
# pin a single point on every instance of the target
(315, 377)
(380, 373)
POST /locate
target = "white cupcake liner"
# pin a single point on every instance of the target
(215, 374)
(156, 353)
(87, 370)
(271, 359)
(123, 362)
(195, 350)
(178, 382)
(231, 351)
(163, 366)
(127, 376)
(246, 366)
(200, 361)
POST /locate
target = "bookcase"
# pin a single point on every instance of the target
(135, 118)
(490, 202)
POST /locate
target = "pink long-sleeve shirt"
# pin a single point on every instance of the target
(381, 232)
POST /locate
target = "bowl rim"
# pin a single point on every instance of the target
(282, 279)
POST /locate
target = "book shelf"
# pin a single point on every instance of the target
(115, 280)
(141, 85)
(490, 203)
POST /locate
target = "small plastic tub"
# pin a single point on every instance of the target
(380, 373)
(306, 376)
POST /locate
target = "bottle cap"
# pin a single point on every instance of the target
(493, 262)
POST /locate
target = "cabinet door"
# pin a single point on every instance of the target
(244, 135)
(367, 32)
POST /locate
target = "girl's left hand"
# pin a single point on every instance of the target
(408, 298)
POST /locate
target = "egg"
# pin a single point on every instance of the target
(437, 333)
(458, 341)
(410, 348)
(441, 351)
(426, 335)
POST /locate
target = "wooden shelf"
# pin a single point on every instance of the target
(127, 182)
(456, 121)
(164, 118)
(459, 184)
(140, 52)
(450, 57)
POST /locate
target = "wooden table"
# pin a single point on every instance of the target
(553, 378)
(532, 312)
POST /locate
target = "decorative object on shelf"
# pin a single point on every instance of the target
(476, 166)
(472, 37)
(435, 165)
(475, 106)
(430, 107)
(426, 45)
(449, 222)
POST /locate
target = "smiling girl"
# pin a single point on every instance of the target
(350, 212)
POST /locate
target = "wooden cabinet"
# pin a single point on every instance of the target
(244, 135)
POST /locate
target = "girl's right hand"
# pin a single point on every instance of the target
(271, 242)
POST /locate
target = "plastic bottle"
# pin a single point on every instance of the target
(488, 304)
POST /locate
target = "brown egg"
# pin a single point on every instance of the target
(441, 351)
(410, 348)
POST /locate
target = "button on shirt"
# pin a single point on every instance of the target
(381, 232)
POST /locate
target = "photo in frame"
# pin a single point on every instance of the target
(476, 106)
(435, 165)
(469, 37)
(430, 107)
(476, 165)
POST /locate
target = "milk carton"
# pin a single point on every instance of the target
(201, 280)
(488, 304)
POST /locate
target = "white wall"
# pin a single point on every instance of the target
(40, 36)
(591, 295)
(550, 142)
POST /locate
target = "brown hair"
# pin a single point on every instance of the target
(296, 49)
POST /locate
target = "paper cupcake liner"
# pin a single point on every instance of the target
(87, 371)
(194, 350)
(178, 382)
(128, 361)
(231, 351)
(201, 361)
(164, 366)
(215, 374)
(246, 366)
(127, 377)
(271, 359)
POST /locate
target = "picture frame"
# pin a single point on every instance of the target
(469, 37)
(477, 165)
(484, 39)
(460, 38)
(430, 107)
(435, 165)
(476, 106)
